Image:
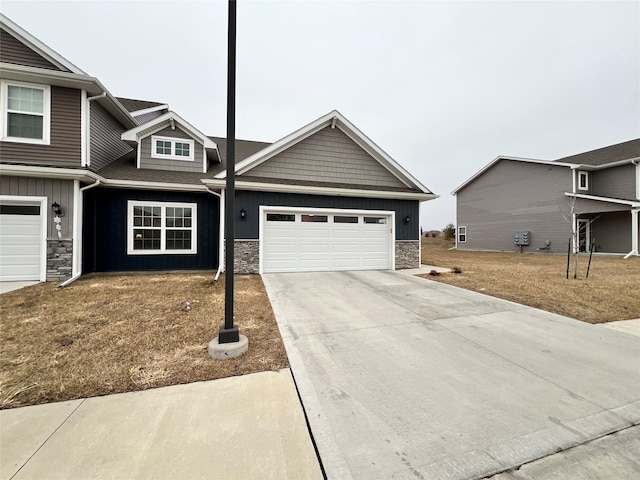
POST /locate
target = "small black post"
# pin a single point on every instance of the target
(593, 243)
(229, 333)
(568, 258)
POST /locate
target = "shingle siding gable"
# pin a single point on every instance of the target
(327, 156)
(147, 161)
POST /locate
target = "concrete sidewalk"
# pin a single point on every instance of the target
(248, 427)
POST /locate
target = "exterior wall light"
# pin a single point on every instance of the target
(243, 214)
(407, 219)
(57, 209)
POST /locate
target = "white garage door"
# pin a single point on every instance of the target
(325, 240)
(20, 242)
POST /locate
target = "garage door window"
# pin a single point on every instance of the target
(315, 218)
(343, 219)
(280, 217)
(162, 228)
(375, 220)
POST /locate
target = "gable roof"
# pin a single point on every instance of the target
(336, 120)
(37, 46)
(606, 155)
(133, 105)
(142, 131)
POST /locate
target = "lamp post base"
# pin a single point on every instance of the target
(228, 335)
(224, 351)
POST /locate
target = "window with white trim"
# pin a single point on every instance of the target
(172, 148)
(462, 234)
(26, 112)
(161, 228)
(583, 180)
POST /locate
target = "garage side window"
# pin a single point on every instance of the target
(161, 228)
(26, 114)
(375, 220)
(462, 234)
(314, 218)
(280, 217)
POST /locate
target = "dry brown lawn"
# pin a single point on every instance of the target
(111, 334)
(612, 291)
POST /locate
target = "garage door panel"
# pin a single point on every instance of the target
(308, 246)
(20, 246)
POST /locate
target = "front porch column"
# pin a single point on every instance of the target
(634, 231)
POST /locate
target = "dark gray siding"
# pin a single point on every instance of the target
(60, 191)
(595, 206)
(617, 182)
(327, 156)
(516, 196)
(251, 202)
(64, 149)
(149, 116)
(146, 161)
(13, 50)
(106, 145)
(612, 232)
(105, 232)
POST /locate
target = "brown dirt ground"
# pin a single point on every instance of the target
(112, 334)
(539, 280)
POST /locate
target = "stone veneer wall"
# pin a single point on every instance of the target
(59, 259)
(407, 254)
(247, 256)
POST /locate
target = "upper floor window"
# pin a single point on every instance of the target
(26, 112)
(172, 148)
(583, 180)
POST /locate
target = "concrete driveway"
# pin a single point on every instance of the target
(402, 377)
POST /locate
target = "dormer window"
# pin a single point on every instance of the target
(172, 148)
(583, 180)
(26, 114)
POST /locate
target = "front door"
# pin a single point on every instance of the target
(584, 234)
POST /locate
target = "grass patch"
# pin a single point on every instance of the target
(539, 280)
(111, 334)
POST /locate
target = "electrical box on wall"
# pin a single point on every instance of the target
(521, 238)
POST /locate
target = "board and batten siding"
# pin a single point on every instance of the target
(327, 156)
(251, 201)
(60, 191)
(106, 145)
(64, 149)
(14, 51)
(516, 196)
(612, 232)
(616, 182)
(146, 161)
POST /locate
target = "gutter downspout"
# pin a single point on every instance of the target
(77, 227)
(221, 230)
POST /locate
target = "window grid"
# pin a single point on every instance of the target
(162, 228)
(169, 148)
(25, 112)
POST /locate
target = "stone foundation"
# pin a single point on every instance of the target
(407, 254)
(247, 256)
(59, 259)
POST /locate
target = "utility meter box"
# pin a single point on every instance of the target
(521, 238)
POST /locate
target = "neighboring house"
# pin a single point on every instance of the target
(585, 199)
(139, 188)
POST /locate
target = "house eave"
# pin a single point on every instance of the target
(617, 201)
(312, 190)
(47, 172)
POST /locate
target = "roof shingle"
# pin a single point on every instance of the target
(610, 154)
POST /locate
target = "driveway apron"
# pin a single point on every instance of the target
(403, 377)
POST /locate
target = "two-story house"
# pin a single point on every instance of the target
(587, 200)
(95, 183)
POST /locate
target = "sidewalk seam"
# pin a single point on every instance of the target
(47, 439)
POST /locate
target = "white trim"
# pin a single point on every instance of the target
(264, 209)
(34, 44)
(46, 113)
(635, 245)
(458, 234)
(85, 111)
(179, 187)
(173, 141)
(637, 164)
(587, 231)
(574, 180)
(47, 172)
(43, 202)
(163, 228)
(138, 154)
(333, 117)
(583, 174)
(144, 111)
(331, 191)
(76, 229)
(603, 199)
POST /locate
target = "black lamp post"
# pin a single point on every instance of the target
(229, 332)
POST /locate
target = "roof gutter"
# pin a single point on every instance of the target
(221, 230)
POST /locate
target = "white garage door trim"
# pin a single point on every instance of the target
(390, 215)
(42, 203)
